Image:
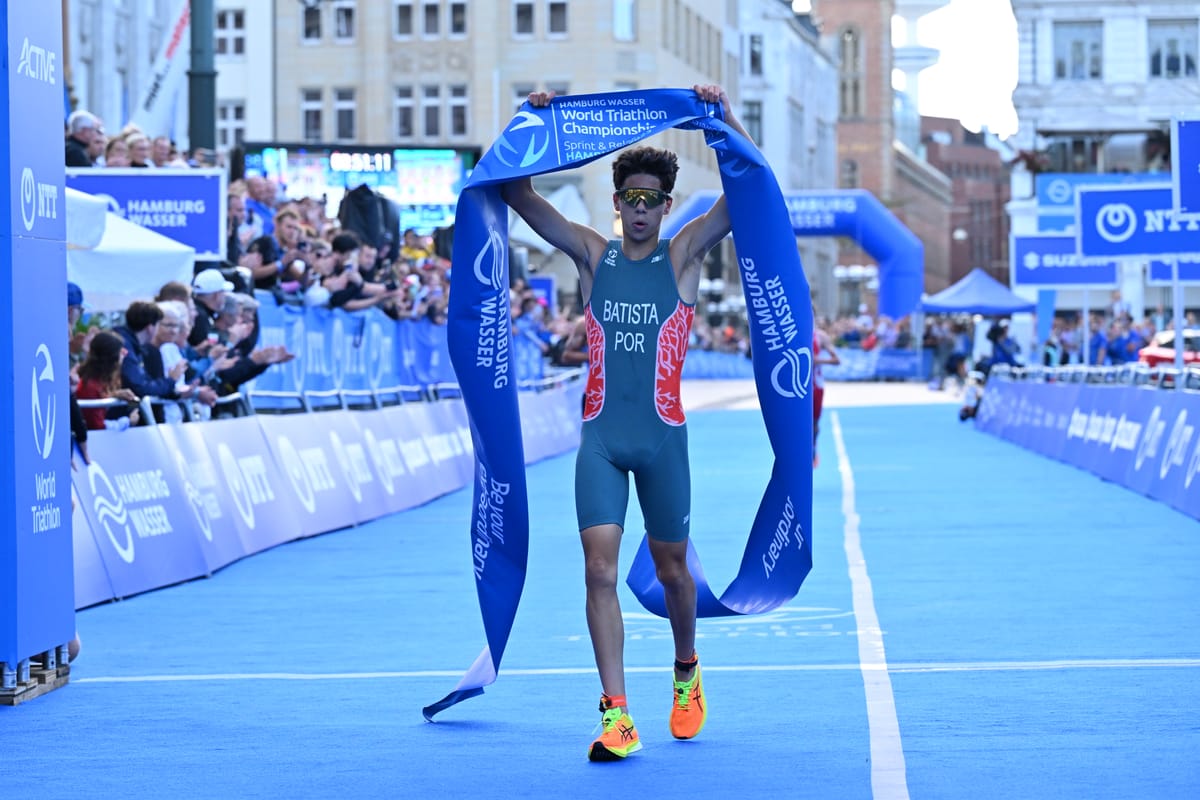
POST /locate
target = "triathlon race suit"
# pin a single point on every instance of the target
(637, 333)
(818, 388)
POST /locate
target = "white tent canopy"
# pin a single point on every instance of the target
(115, 261)
(568, 201)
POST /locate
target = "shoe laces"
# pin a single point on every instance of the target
(683, 691)
(610, 718)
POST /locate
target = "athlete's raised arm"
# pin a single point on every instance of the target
(582, 244)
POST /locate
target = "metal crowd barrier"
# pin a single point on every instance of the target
(1158, 377)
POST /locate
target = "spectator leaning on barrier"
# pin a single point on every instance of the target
(100, 379)
(347, 287)
(171, 338)
(238, 328)
(141, 371)
(78, 423)
(209, 288)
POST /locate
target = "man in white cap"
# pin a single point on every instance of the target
(208, 288)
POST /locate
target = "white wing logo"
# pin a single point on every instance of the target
(43, 413)
(504, 149)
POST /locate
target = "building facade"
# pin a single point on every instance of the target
(451, 73)
(1098, 84)
(980, 186)
(788, 104)
(872, 152)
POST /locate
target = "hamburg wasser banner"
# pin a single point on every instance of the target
(572, 131)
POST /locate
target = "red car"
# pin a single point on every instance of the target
(1161, 349)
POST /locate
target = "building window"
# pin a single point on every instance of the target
(1078, 51)
(402, 104)
(230, 38)
(1172, 46)
(850, 74)
(458, 110)
(458, 19)
(431, 111)
(556, 18)
(312, 24)
(231, 123)
(310, 114)
(755, 65)
(430, 13)
(343, 114)
(343, 20)
(624, 21)
(523, 17)
(849, 177)
(560, 88)
(404, 19)
(752, 119)
(521, 92)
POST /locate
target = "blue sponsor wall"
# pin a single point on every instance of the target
(168, 503)
(1140, 437)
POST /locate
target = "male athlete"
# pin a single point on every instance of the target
(639, 294)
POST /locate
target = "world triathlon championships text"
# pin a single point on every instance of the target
(608, 122)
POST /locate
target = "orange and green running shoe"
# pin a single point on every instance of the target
(689, 711)
(619, 737)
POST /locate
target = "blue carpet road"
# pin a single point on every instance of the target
(981, 623)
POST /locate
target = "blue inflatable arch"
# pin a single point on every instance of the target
(855, 213)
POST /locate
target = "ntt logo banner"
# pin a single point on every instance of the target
(187, 205)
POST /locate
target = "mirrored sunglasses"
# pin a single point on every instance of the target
(653, 198)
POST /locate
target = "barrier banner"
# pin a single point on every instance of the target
(450, 418)
(224, 533)
(184, 204)
(396, 482)
(315, 486)
(37, 612)
(564, 134)
(1142, 438)
(355, 464)
(265, 509)
(280, 325)
(145, 529)
(1159, 418)
(439, 445)
(425, 482)
(91, 579)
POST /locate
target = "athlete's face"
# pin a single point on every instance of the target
(641, 212)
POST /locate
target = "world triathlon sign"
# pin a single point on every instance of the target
(37, 603)
(1131, 222)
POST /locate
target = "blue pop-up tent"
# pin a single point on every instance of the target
(977, 293)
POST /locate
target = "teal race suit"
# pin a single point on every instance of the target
(633, 421)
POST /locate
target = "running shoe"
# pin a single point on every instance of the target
(618, 738)
(689, 711)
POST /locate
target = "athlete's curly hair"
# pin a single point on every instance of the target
(662, 164)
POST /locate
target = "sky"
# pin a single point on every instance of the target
(975, 75)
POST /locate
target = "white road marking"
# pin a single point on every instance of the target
(888, 774)
(916, 667)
